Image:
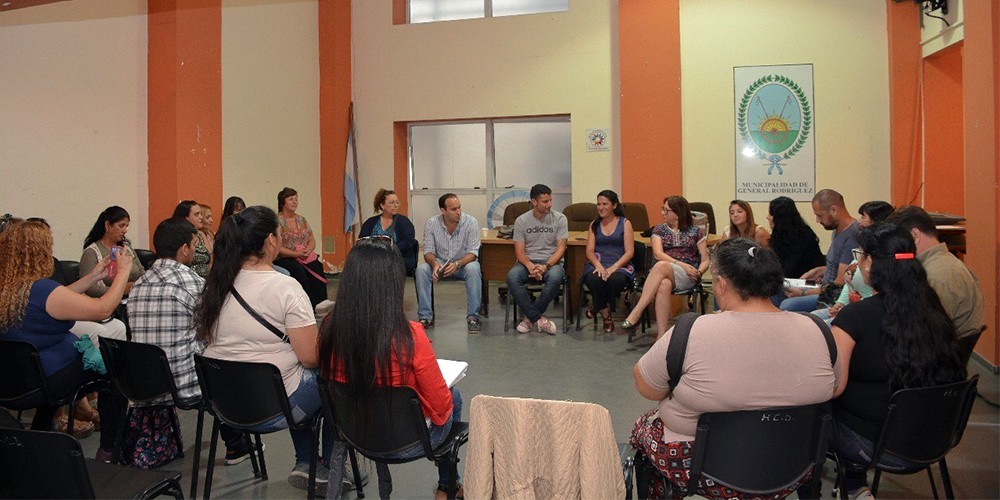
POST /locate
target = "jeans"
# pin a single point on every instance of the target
(856, 449)
(470, 273)
(446, 471)
(805, 303)
(305, 403)
(517, 280)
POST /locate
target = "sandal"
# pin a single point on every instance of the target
(590, 313)
(609, 324)
(81, 428)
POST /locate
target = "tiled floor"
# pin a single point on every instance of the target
(579, 367)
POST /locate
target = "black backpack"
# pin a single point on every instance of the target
(679, 341)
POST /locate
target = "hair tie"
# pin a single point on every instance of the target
(904, 256)
(751, 251)
(237, 218)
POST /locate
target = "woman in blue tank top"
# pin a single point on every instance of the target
(610, 245)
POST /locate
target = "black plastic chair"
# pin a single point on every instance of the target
(146, 257)
(142, 374)
(922, 426)
(967, 344)
(245, 395)
(395, 423)
(23, 385)
(754, 451)
(40, 464)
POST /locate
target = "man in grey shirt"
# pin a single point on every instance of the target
(451, 247)
(539, 244)
(831, 212)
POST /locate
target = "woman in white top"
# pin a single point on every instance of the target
(742, 225)
(245, 247)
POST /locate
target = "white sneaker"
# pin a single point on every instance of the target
(545, 325)
(524, 326)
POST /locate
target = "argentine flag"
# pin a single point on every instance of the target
(351, 213)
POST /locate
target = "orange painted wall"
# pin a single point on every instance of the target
(944, 137)
(334, 102)
(184, 105)
(903, 19)
(981, 82)
(650, 70)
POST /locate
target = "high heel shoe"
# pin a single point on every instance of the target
(609, 324)
(630, 328)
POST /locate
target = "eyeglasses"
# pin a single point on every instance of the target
(857, 253)
(392, 203)
(666, 210)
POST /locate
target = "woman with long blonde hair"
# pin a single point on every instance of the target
(37, 310)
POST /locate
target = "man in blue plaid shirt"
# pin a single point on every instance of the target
(161, 307)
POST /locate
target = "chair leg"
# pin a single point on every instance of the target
(930, 477)
(946, 480)
(211, 458)
(875, 480)
(259, 451)
(313, 457)
(506, 315)
(566, 317)
(357, 473)
(176, 425)
(197, 452)
(118, 457)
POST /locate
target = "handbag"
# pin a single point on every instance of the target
(150, 438)
(260, 319)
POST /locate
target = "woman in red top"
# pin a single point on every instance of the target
(368, 342)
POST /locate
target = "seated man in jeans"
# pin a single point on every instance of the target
(539, 244)
(451, 247)
(161, 311)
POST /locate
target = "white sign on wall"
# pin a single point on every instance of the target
(775, 132)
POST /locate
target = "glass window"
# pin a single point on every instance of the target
(488, 164)
(429, 11)
(535, 150)
(448, 156)
(518, 7)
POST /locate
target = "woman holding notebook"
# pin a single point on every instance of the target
(368, 342)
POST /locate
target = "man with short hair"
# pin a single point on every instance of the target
(451, 247)
(956, 286)
(831, 212)
(161, 308)
(539, 244)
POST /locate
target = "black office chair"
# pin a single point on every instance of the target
(706, 208)
(40, 464)
(142, 374)
(579, 216)
(395, 423)
(638, 264)
(23, 384)
(754, 451)
(146, 257)
(922, 426)
(514, 210)
(636, 214)
(245, 395)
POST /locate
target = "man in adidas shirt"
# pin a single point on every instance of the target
(539, 244)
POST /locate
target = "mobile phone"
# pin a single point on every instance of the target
(812, 283)
(115, 251)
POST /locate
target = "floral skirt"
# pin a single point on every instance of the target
(672, 461)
